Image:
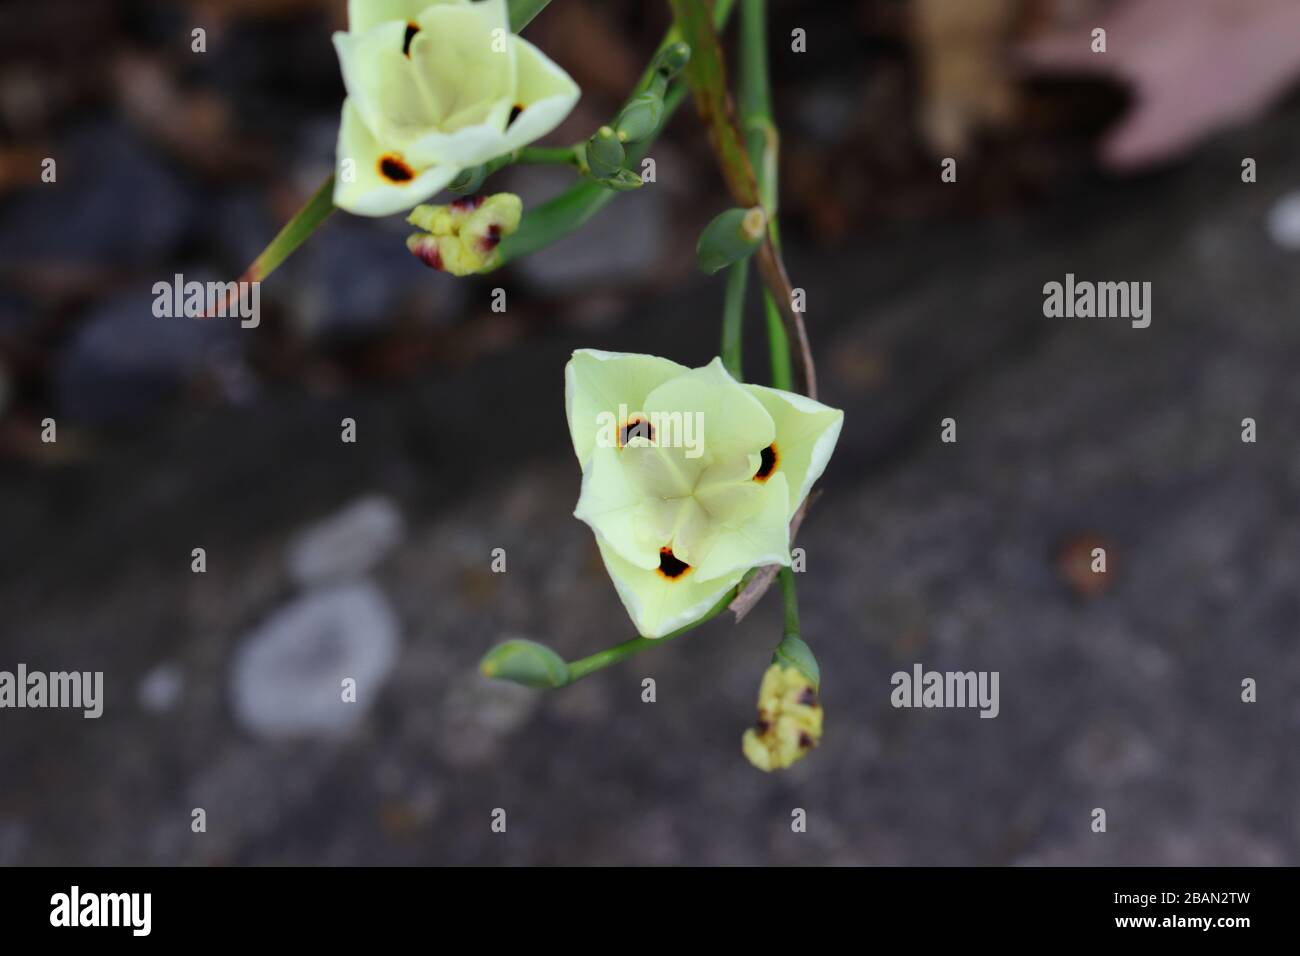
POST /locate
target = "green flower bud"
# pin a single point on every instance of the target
(605, 153)
(527, 663)
(794, 652)
(640, 118)
(673, 59)
(624, 180)
(730, 237)
(468, 180)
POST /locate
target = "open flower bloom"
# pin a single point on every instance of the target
(689, 478)
(434, 87)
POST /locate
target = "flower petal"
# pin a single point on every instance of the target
(806, 433)
(733, 421)
(359, 185)
(383, 83)
(746, 542)
(657, 605)
(599, 386)
(364, 14)
(544, 93)
(466, 146)
(612, 507)
(464, 53)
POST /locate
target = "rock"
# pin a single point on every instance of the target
(123, 359)
(114, 202)
(288, 674)
(1284, 221)
(346, 544)
(160, 690)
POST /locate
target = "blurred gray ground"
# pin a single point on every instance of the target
(1070, 431)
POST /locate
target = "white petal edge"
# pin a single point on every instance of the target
(369, 194)
(644, 593)
(586, 394)
(364, 14)
(822, 448)
(546, 93)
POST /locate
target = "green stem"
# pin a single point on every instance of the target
(790, 598)
(733, 317)
(295, 232)
(778, 345)
(620, 652)
(546, 155)
(762, 141)
(522, 12)
(570, 210)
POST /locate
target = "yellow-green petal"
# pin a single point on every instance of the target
(359, 185)
(734, 422)
(597, 385)
(658, 606)
(806, 434)
(364, 14)
(544, 94)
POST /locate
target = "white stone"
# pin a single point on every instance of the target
(1284, 221)
(346, 544)
(160, 690)
(288, 674)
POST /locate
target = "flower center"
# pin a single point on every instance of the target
(393, 168)
(635, 427)
(770, 456)
(670, 566)
(411, 30)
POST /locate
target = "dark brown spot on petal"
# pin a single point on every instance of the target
(411, 30)
(514, 113)
(491, 239)
(635, 427)
(763, 726)
(770, 457)
(805, 741)
(428, 252)
(395, 169)
(670, 566)
(467, 203)
(808, 698)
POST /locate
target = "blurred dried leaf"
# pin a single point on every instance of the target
(963, 51)
(1195, 67)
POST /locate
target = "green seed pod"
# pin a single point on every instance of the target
(673, 59)
(527, 663)
(730, 237)
(794, 652)
(640, 118)
(605, 154)
(469, 180)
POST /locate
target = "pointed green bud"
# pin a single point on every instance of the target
(730, 237)
(794, 652)
(527, 663)
(640, 118)
(673, 59)
(624, 180)
(605, 153)
(469, 180)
